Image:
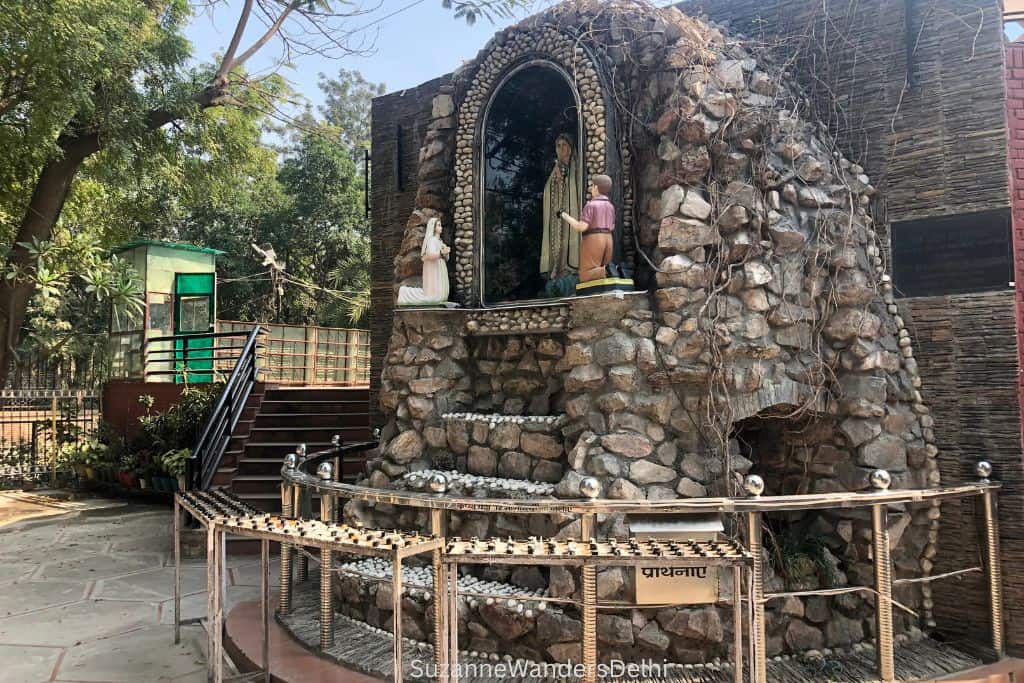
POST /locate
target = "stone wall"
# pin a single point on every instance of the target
(514, 374)
(935, 146)
(769, 309)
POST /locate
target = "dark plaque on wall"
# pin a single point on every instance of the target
(953, 254)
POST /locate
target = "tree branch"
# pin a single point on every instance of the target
(236, 39)
(265, 38)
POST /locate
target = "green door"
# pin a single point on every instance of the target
(193, 315)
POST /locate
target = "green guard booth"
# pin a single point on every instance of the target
(171, 340)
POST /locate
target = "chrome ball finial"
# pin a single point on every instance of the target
(983, 469)
(754, 485)
(880, 480)
(291, 460)
(437, 483)
(336, 440)
(301, 450)
(376, 433)
(325, 471)
(590, 487)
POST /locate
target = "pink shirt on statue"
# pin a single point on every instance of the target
(599, 215)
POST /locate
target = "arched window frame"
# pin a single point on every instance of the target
(480, 163)
(606, 151)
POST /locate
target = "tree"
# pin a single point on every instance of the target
(81, 76)
(316, 224)
(347, 99)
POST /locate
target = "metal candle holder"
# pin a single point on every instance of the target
(220, 513)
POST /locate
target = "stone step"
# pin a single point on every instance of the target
(269, 432)
(302, 393)
(287, 405)
(305, 420)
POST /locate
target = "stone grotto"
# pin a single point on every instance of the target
(762, 338)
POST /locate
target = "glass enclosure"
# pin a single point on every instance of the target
(530, 110)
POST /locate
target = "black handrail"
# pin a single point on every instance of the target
(209, 450)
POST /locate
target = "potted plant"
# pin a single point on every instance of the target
(88, 458)
(71, 454)
(149, 473)
(126, 465)
(174, 463)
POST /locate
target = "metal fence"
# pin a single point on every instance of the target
(35, 424)
(48, 402)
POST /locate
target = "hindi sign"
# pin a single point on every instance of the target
(660, 585)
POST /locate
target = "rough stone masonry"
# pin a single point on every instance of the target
(767, 340)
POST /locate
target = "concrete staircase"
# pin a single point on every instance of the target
(278, 418)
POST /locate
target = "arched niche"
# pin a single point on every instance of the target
(533, 106)
(599, 143)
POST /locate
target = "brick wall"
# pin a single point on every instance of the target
(1015, 130)
(967, 351)
(392, 200)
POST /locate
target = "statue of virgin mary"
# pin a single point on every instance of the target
(433, 253)
(560, 249)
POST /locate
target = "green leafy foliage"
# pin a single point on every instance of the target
(346, 108)
(88, 452)
(178, 427)
(173, 149)
(77, 282)
(471, 10)
(174, 462)
(74, 65)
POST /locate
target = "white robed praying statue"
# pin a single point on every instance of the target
(433, 252)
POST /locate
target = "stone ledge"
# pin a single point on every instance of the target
(474, 485)
(528, 422)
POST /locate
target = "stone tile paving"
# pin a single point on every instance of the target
(90, 598)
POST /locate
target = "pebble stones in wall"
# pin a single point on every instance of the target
(502, 52)
(512, 320)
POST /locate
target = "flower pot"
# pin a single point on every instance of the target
(90, 473)
(181, 482)
(143, 484)
(79, 470)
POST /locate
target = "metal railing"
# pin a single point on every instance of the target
(194, 357)
(35, 424)
(308, 354)
(287, 354)
(209, 450)
(298, 484)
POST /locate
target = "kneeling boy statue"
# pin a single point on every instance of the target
(597, 224)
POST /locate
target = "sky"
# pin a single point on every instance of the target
(413, 41)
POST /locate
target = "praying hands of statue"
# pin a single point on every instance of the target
(445, 250)
(575, 224)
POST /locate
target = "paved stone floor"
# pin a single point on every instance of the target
(89, 597)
